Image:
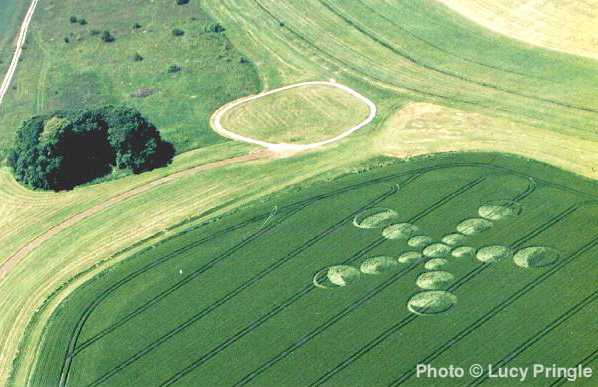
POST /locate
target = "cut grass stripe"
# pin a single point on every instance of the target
(404, 322)
(539, 335)
(447, 73)
(496, 310)
(307, 289)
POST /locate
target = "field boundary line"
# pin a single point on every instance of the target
(539, 335)
(74, 349)
(216, 119)
(233, 293)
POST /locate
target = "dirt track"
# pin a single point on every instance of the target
(18, 50)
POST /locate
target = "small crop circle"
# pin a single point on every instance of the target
(375, 218)
(378, 265)
(453, 239)
(399, 231)
(419, 241)
(434, 279)
(463, 252)
(437, 250)
(499, 209)
(431, 302)
(536, 257)
(473, 226)
(496, 253)
(342, 275)
(436, 263)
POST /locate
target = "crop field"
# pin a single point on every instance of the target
(443, 253)
(458, 224)
(311, 113)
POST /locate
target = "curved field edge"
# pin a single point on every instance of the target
(542, 174)
(567, 26)
(315, 122)
(424, 128)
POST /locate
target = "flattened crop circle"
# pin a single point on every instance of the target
(437, 250)
(494, 253)
(473, 226)
(376, 217)
(536, 256)
(463, 252)
(435, 263)
(410, 257)
(419, 241)
(453, 239)
(431, 302)
(499, 209)
(434, 279)
(378, 265)
(400, 231)
(342, 275)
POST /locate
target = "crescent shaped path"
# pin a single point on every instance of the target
(216, 119)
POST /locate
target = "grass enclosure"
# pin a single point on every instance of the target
(237, 295)
(304, 114)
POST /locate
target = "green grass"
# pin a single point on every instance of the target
(86, 72)
(244, 303)
(11, 13)
(419, 50)
(304, 114)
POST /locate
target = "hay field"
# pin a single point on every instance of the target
(233, 302)
(305, 114)
(563, 25)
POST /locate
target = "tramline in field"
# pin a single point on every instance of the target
(281, 289)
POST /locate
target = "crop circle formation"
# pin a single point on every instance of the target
(400, 231)
(434, 279)
(495, 253)
(375, 218)
(499, 209)
(431, 302)
(536, 256)
(378, 265)
(473, 226)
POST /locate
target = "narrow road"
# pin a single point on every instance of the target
(18, 50)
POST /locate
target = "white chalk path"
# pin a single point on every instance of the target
(216, 119)
(18, 50)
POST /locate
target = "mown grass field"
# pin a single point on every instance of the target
(304, 114)
(86, 71)
(564, 25)
(232, 302)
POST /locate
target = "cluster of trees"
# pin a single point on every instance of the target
(64, 149)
